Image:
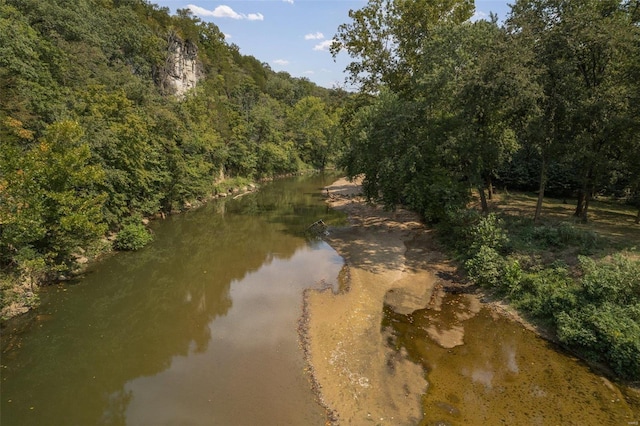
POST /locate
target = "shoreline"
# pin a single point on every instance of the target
(393, 260)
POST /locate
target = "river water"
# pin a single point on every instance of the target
(200, 328)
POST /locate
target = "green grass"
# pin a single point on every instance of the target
(612, 221)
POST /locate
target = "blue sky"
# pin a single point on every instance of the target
(292, 35)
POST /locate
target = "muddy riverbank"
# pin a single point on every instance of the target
(357, 375)
(374, 350)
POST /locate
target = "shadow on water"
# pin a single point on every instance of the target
(197, 328)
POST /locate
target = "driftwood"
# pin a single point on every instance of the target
(317, 227)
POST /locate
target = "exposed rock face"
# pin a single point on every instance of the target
(182, 69)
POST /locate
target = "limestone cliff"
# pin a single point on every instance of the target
(182, 69)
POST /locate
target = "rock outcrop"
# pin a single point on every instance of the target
(182, 69)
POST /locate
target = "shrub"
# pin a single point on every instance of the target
(512, 278)
(547, 292)
(132, 237)
(616, 281)
(486, 267)
(489, 232)
(606, 322)
(455, 231)
(547, 236)
(553, 236)
(608, 332)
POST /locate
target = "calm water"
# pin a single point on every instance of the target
(199, 328)
(503, 374)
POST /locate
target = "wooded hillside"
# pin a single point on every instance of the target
(98, 130)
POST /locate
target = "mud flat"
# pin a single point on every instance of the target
(402, 318)
(359, 378)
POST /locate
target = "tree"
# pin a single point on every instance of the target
(309, 125)
(490, 96)
(386, 37)
(580, 47)
(51, 199)
(90, 141)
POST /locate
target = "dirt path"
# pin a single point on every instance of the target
(390, 258)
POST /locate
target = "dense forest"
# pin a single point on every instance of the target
(547, 101)
(98, 130)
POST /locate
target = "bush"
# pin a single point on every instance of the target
(132, 237)
(609, 333)
(616, 281)
(512, 278)
(489, 232)
(486, 267)
(606, 322)
(528, 236)
(455, 231)
(547, 292)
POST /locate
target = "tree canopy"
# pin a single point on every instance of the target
(93, 138)
(543, 101)
(546, 101)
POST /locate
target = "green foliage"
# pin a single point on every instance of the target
(596, 312)
(310, 124)
(489, 232)
(385, 38)
(527, 236)
(91, 134)
(455, 230)
(547, 292)
(132, 236)
(435, 195)
(616, 281)
(486, 267)
(606, 332)
(51, 203)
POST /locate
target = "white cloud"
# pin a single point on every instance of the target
(309, 72)
(281, 62)
(224, 11)
(314, 36)
(324, 45)
(288, 1)
(227, 36)
(255, 17)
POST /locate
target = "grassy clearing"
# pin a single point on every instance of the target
(611, 220)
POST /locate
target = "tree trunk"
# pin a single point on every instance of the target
(585, 210)
(638, 216)
(580, 204)
(483, 200)
(489, 188)
(541, 188)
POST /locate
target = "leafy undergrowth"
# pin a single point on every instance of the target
(582, 281)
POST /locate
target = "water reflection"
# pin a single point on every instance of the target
(497, 372)
(198, 328)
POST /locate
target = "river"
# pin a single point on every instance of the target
(200, 328)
